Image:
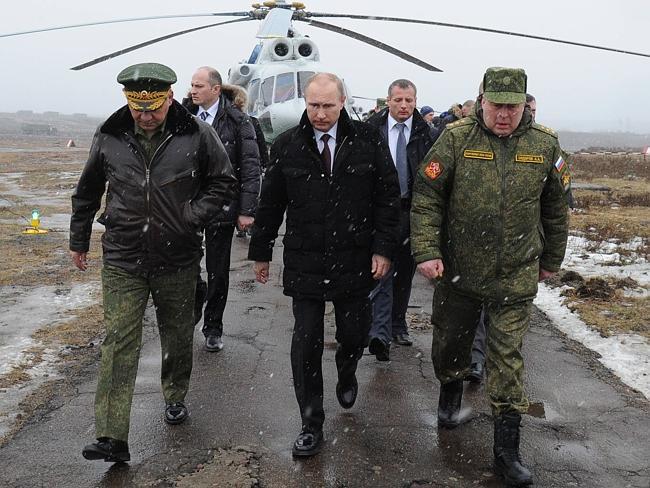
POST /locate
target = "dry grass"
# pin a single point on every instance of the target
(603, 306)
(588, 167)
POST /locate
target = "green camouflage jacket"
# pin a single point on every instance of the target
(493, 209)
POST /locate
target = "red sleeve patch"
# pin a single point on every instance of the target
(433, 169)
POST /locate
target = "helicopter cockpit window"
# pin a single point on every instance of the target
(253, 94)
(267, 91)
(285, 87)
(303, 76)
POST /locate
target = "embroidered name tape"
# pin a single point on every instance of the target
(529, 158)
(474, 154)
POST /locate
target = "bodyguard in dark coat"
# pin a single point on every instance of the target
(390, 298)
(215, 104)
(336, 182)
(164, 174)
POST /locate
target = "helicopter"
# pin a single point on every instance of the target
(275, 72)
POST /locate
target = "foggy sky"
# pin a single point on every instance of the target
(576, 88)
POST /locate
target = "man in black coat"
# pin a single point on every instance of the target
(338, 185)
(165, 174)
(409, 139)
(212, 102)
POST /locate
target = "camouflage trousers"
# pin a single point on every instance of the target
(125, 299)
(454, 319)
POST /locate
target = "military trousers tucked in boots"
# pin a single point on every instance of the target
(454, 318)
(125, 298)
(353, 317)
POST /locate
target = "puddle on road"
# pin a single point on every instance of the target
(23, 310)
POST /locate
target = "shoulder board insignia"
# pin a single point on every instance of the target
(475, 154)
(433, 169)
(457, 123)
(529, 158)
(543, 128)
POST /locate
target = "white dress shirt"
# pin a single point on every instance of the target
(212, 112)
(332, 142)
(393, 133)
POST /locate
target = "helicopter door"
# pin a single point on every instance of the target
(285, 87)
(267, 91)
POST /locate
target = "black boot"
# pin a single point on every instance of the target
(451, 396)
(507, 462)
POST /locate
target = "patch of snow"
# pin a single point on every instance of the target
(602, 259)
(626, 355)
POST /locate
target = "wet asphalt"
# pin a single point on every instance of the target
(587, 429)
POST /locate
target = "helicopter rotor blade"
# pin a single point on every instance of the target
(118, 21)
(474, 28)
(373, 42)
(152, 41)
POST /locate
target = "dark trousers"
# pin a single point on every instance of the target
(218, 243)
(353, 318)
(390, 298)
(480, 340)
(454, 318)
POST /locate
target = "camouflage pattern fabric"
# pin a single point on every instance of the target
(493, 209)
(125, 299)
(454, 318)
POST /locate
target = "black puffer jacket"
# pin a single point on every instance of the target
(334, 224)
(154, 212)
(418, 144)
(237, 134)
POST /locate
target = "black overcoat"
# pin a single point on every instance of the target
(334, 224)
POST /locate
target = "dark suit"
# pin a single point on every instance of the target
(391, 296)
(334, 226)
(237, 134)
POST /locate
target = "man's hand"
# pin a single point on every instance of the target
(244, 222)
(261, 269)
(431, 269)
(80, 259)
(380, 266)
(545, 275)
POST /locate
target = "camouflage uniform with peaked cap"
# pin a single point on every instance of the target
(161, 189)
(493, 209)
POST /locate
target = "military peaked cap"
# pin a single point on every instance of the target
(146, 85)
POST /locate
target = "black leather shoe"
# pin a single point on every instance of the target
(308, 444)
(176, 413)
(403, 339)
(346, 393)
(475, 374)
(108, 449)
(380, 349)
(451, 397)
(213, 343)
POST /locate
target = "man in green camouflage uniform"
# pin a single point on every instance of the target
(165, 175)
(489, 219)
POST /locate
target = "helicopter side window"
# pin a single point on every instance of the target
(285, 87)
(267, 91)
(253, 94)
(303, 76)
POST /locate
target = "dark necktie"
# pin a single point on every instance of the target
(401, 161)
(204, 115)
(326, 155)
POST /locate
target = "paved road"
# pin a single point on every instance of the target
(589, 430)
